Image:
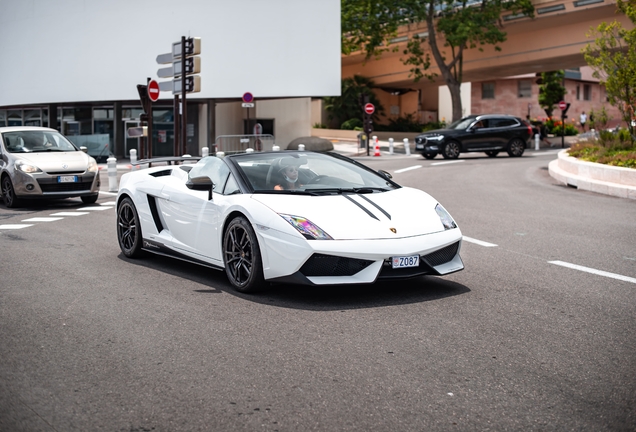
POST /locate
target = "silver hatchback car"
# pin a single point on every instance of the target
(40, 163)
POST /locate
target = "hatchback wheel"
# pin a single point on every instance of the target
(516, 147)
(90, 199)
(451, 150)
(8, 193)
(129, 229)
(242, 256)
(492, 153)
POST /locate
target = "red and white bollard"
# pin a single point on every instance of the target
(377, 146)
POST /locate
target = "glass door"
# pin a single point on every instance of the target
(131, 143)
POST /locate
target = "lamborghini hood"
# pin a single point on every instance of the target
(399, 213)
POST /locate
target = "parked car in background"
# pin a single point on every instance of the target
(40, 163)
(488, 133)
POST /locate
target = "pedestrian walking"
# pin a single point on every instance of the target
(583, 120)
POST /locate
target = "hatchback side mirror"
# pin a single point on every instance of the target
(84, 149)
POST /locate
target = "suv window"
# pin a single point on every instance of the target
(502, 122)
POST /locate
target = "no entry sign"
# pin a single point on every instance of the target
(562, 105)
(369, 108)
(153, 90)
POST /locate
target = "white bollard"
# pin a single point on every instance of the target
(407, 147)
(133, 159)
(111, 162)
(390, 145)
(537, 138)
(248, 150)
(301, 147)
(275, 148)
(205, 152)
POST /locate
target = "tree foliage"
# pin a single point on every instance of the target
(613, 58)
(349, 104)
(551, 90)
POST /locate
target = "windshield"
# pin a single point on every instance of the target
(462, 123)
(307, 172)
(32, 141)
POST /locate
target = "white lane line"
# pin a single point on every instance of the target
(43, 219)
(76, 213)
(110, 203)
(407, 169)
(594, 271)
(108, 193)
(479, 242)
(94, 208)
(448, 162)
(14, 226)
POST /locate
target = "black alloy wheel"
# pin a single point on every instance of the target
(492, 153)
(129, 229)
(429, 155)
(8, 193)
(516, 147)
(242, 256)
(451, 150)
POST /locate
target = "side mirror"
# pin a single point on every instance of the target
(385, 174)
(203, 183)
(84, 149)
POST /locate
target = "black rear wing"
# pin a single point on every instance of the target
(168, 160)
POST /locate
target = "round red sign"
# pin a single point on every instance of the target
(369, 108)
(562, 105)
(153, 90)
(248, 97)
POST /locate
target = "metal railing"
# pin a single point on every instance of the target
(239, 143)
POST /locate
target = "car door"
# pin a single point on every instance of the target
(503, 130)
(477, 136)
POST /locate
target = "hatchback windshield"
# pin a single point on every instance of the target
(36, 141)
(309, 172)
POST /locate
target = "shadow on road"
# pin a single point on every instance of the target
(315, 298)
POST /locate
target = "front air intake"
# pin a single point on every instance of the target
(327, 265)
(442, 255)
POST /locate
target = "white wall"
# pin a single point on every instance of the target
(292, 118)
(98, 50)
(445, 105)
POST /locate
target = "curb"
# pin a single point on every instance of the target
(604, 179)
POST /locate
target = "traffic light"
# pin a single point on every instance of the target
(188, 65)
(368, 124)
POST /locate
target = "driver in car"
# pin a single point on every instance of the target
(288, 174)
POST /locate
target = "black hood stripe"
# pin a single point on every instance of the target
(384, 212)
(360, 206)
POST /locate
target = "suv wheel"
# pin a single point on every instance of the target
(492, 153)
(516, 147)
(429, 155)
(451, 150)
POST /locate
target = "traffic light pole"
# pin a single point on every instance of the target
(184, 113)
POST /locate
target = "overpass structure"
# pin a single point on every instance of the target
(552, 40)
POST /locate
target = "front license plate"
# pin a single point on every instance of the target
(67, 179)
(406, 261)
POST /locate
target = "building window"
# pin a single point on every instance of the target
(587, 92)
(525, 88)
(487, 90)
(578, 92)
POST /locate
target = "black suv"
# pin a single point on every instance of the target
(489, 133)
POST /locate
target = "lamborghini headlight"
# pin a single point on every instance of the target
(26, 168)
(306, 227)
(445, 217)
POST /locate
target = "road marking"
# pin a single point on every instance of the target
(14, 226)
(594, 271)
(110, 203)
(95, 208)
(448, 162)
(76, 213)
(479, 242)
(108, 193)
(407, 169)
(43, 219)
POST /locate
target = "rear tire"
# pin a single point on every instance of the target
(128, 229)
(242, 256)
(492, 153)
(451, 150)
(8, 193)
(516, 147)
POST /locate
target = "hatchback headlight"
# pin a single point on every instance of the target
(306, 228)
(26, 168)
(92, 165)
(445, 217)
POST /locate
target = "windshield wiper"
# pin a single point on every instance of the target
(358, 190)
(48, 150)
(285, 192)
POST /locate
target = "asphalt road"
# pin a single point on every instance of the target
(522, 339)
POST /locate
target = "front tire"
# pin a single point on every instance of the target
(451, 150)
(8, 193)
(516, 147)
(492, 153)
(429, 155)
(242, 256)
(129, 229)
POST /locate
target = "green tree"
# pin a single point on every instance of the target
(613, 58)
(453, 27)
(349, 105)
(551, 90)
